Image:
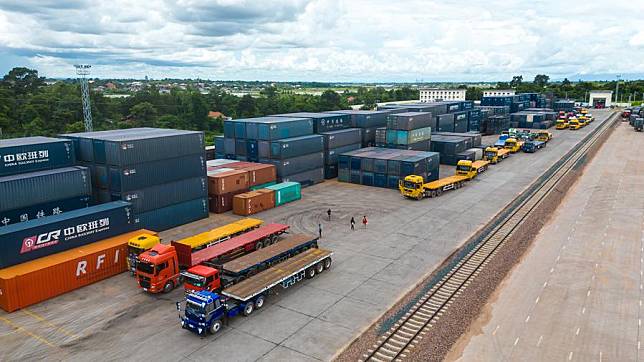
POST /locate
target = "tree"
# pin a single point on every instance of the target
(541, 80)
(473, 94)
(143, 114)
(565, 82)
(502, 85)
(246, 106)
(330, 101)
(23, 80)
(516, 81)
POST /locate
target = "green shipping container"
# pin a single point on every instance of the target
(286, 192)
(262, 186)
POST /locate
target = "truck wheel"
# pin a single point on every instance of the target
(310, 273)
(273, 239)
(249, 308)
(327, 263)
(258, 245)
(439, 192)
(433, 193)
(319, 267)
(259, 302)
(169, 285)
(215, 327)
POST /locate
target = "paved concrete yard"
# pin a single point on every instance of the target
(372, 268)
(577, 295)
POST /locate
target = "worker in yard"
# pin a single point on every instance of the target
(328, 212)
(364, 221)
(320, 230)
(353, 223)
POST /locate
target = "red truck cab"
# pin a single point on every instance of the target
(158, 269)
(201, 277)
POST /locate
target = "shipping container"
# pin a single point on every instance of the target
(298, 164)
(163, 195)
(341, 138)
(37, 238)
(286, 192)
(230, 146)
(219, 144)
(409, 121)
(29, 154)
(445, 122)
(227, 182)
(331, 155)
(45, 209)
(262, 186)
(330, 171)
(252, 202)
(366, 119)
(296, 146)
(50, 276)
(417, 146)
(369, 136)
(271, 128)
(84, 143)
(219, 162)
(475, 137)
(28, 189)
(323, 122)
(147, 174)
(400, 137)
(222, 203)
(306, 178)
(174, 215)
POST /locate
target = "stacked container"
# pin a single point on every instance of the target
(162, 172)
(409, 130)
(336, 143)
(38, 179)
(368, 122)
(227, 178)
(454, 147)
(384, 167)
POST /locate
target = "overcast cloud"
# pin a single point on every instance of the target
(326, 40)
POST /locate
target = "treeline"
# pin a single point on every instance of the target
(30, 107)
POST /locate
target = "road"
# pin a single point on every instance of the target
(577, 294)
(405, 241)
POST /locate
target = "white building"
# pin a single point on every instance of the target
(433, 95)
(498, 92)
(600, 98)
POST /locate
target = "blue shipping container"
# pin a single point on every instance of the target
(323, 122)
(172, 216)
(34, 239)
(29, 154)
(297, 146)
(163, 195)
(45, 209)
(157, 172)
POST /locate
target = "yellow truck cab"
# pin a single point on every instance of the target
(562, 123)
(137, 245)
(583, 121)
(495, 155)
(544, 136)
(513, 145)
(574, 124)
(414, 187)
(471, 169)
(583, 111)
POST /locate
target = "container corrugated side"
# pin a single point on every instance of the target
(147, 174)
(229, 181)
(140, 149)
(284, 128)
(286, 192)
(306, 178)
(291, 166)
(175, 215)
(31, 154)
(252, 202)
(39, 187)
(163, 195)
(331, 155)
(41, 237)
(38, 280)
(44, 209)
(341, 138)
(296, 146)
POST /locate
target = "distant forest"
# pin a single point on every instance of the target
(28, 106)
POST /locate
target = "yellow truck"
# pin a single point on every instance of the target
(583, 120)
(414, 187)
(574, 124)
(544, 136)
(137, 245)
(562, 123)
(495, 155)
(513, 145)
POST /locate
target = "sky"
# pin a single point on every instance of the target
(326, 40)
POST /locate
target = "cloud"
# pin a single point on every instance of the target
(335, 40)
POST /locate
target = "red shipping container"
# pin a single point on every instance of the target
(250, 203)
(41, 279)
(222, 203)
(226, 182)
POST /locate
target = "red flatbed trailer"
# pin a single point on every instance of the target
(231, 248)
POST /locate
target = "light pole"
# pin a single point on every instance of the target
(617, 87)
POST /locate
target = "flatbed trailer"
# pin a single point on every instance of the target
(207, 311)
(495, 154)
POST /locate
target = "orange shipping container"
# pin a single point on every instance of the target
(227, 182)
(250, 203)
(41, 279)
(261, 174)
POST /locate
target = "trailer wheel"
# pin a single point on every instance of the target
(215, 327)
(249, 308)
(310, 272)
(274, 239)
(327, 263)
(258, 245)
(169, 285)
(433, 193)
(319, 267)
(259, 302)
(439, 192)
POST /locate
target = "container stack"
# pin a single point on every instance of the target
(409, 131)
(368, 122)
(162, 172)
(516, 103)
(336, 143)
(38, 179)
(564, 105)
(531, 119)
(228, 178)
(384, 167)
(497, 119)
(454, 147)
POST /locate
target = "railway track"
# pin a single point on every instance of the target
(400, 339)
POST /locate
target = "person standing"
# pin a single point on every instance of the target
(320, 230)
(364, 221)
(328, 212)
(353, 223)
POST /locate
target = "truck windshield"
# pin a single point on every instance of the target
(146, 268)
(194, 309)
(490, 154)
(195, 280)
(410, 185)
(134, 251)
(463, 168)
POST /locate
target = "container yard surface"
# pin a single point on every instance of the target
(313, 320)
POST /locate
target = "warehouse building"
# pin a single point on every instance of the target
(600, 98)
(434, 95)
(498, 92)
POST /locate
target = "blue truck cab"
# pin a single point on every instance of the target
(532, 146)
(501, 141)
